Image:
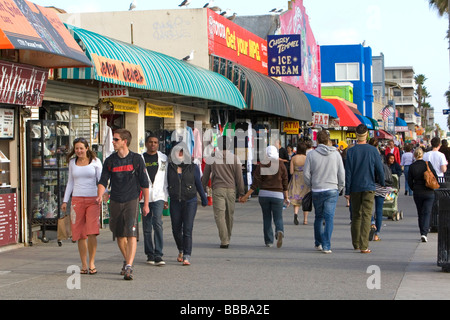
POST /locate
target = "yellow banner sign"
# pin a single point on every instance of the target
(118, 70)
(291, 127)
(125, 105)
(152, 110)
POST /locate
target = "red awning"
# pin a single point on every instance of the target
(345, 114)
(39, 36)
(381, 134)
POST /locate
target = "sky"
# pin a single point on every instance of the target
(407, 32)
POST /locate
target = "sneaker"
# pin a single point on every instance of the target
(268, 245)
(128, 273)
(423, 238)
(151, 261)
(327, 251)
(159, 261)
(318, 248)
(122, 272)
(279, 239)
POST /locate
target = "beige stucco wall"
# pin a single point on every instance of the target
(172, 32)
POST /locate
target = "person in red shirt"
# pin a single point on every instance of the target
(391, 148)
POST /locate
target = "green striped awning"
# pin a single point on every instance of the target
(128, 65)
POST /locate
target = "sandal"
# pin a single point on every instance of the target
(84, 271)
(180, 257)
(376, 238)
(93, 271)
(366, 251)
(186, 262)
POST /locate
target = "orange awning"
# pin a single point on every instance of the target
(345, 114)
(39, 36)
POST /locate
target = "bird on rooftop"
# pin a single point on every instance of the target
(226, 13)
(185, 3)
(189, 57)
(277, 10)
(216, 9)
(209, 4)
(132, 5)
(231, 18)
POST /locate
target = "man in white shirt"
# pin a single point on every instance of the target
(156, 163)
(436, 158)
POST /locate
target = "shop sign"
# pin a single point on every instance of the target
(109, 90)
(296, 21)
(350, 135)
(8, 219)
(334, 123)
(230, 41)
(321, 119)
(152, 110)
(291, 127)
(284, 55)
(125, 105)
(116, 70)
(23, 85)
(401, 129)
(6, 124)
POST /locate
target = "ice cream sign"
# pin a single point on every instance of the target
(284, 55)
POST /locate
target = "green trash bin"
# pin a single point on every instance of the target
(166, 212)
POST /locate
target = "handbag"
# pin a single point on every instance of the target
(307, 202)
(430, 180)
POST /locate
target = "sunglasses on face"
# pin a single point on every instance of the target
(116, 139)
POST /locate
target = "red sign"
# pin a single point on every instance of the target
(232, 42)
(23, 85)
(321, 119)
(8, 219)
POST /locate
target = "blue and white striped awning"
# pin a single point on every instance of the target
(160, 72)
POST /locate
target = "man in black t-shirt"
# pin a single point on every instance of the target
(125, 170)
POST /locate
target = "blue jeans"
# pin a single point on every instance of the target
(324, 208)
(182, 215)
(424, 204)
(377, 218)
(407, 188)
(153, 222)
(272, 208)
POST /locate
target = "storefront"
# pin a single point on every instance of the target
(158, 93)
(35, 37)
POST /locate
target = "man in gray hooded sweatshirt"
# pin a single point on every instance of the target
(324, 173)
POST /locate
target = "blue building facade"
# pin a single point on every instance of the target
(350, 63)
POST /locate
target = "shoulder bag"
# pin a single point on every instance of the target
(430, 180)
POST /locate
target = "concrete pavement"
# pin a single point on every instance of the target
(399, 268)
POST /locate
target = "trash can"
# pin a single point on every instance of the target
(443, 261)
(444, 183)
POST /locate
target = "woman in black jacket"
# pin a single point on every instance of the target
(423, 196)
(183, 179)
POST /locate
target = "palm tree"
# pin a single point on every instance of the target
(440, 5)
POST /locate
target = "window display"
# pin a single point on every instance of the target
(48, 144)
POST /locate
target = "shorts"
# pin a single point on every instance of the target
(85, 217)
(123, 218)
